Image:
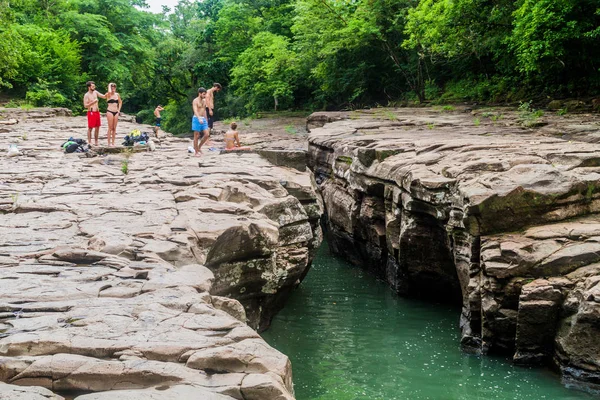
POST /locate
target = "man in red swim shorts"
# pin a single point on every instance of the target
(90, 101)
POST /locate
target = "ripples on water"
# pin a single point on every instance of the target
(349, 337)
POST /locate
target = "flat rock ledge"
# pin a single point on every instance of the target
(500, 218)
(145, 284)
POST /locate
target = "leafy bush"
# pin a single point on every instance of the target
(41, 96)
(481, 89)
(432, 91)
(232, 107)
(15, 103)
(529, 116)
(145, 117)
(267, 71)
(51, 66)
(11, 48)
(178, 117)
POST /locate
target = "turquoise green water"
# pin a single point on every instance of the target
(349, 337)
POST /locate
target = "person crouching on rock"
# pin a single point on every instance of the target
(90, 102)
(113, 111)
(232, 138)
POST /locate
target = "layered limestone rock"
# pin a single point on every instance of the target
(78, 321)
(141, 271)
(14, 392)
(498, 217)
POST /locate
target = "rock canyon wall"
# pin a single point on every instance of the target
(143, 272)
(475, 208)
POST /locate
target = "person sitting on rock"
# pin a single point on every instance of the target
(232, 138)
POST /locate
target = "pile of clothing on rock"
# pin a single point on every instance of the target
(75, 146)
(136, 138)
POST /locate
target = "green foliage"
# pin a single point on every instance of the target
(391, 116)
(291, 129)
(235, 29)
(351, 51)
(299, 54)
(265, 74)
(146, 116)
(545, 31)
(529, 116)
(232, 106)
(17, 103)
(11, 49)
(50, 69)
(491, 115)
(178, 116)
(478, 89)
(458, 28)
(125, 166)
(41, 96)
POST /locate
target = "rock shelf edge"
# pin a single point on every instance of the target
(499, 218)
(146, 284)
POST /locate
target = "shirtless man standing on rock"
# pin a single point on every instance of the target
(90, 101)
(157, 111)
(210, 103)
(199, 124)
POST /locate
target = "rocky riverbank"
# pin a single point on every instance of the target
(141, 271)
(494, 209)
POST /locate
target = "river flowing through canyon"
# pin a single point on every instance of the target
(349, 337)
(150, 274)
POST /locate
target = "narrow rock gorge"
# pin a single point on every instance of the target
(477, 208)
(141, 274)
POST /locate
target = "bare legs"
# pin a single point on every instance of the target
(109, 118)
(112, 127)
(96, 134)
(204, 139)
(196, 148)
(114, 130)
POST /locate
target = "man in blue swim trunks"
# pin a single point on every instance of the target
(199, 122)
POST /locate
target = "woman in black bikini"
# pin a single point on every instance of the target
(112, 112)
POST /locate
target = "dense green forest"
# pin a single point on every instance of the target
(299, 54)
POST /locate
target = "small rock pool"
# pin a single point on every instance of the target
(349, 337)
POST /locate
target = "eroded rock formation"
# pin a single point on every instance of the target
(498, 217)
(143, 281)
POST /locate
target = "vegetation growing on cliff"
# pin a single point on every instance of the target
(310, 54)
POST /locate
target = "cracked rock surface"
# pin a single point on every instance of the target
(475, 208)
(147, 284)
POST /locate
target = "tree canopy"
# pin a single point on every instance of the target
(298, 54)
